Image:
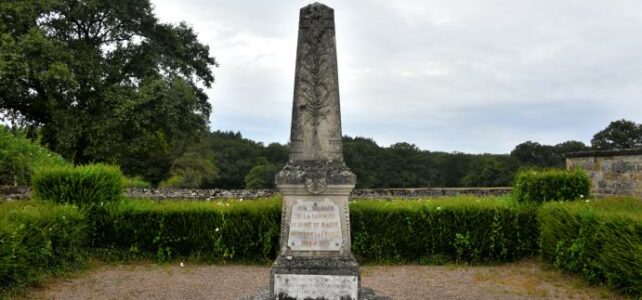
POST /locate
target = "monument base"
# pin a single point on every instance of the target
(364, 294)
(326, 278)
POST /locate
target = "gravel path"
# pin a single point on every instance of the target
(522, 280)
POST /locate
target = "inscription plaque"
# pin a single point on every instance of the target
(328, 287)
(315, 225)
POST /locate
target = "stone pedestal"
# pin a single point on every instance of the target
(315, 260)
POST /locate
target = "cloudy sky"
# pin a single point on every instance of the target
(471, 76)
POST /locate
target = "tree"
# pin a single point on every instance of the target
(191, 170)
(620, 134)
(104, 81)
(534, 154)
(491, 170)
(262, 175)
(570, 146)
(363, 157)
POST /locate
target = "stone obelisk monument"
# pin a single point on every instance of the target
(315, 260)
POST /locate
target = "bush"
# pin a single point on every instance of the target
(19, 157)
(210, 231)
(601, 240)
(37, 239)
(135, 182)
(89, 185)
(456, 229)
(541, 186)
(465, 228)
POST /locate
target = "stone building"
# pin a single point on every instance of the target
(612, 172)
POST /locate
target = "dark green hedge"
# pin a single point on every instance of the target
(541, 186)
(38, 239)
(210, 231)
(601, 240)
(491, 230)
(470, 229)
(89, 185)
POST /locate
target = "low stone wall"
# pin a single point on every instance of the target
(428, 192)
(14, 193)
(199, 194)
(613, 172)
(18, 193)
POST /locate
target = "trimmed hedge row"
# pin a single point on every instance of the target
(459, 228)
(210, 231)
(601, 240)
(465, 228)
(551, 185)
(38, 239)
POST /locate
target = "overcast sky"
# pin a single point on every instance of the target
(470, 76)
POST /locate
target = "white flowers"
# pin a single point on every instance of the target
(241, 200)
(581, 196)
(438, 207)
(587, 200)
(216, 229)
(182, 264)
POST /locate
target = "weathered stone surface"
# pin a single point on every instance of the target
(302, 172)
(364, 294)
(315, 260)
(23, 193)
(613, 172)
(315, 286)
(316, 117)
(315, 226)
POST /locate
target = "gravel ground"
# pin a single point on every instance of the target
(522, 280)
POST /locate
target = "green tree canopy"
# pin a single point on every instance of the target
(261, 175)
(620, 134)
(104, 81)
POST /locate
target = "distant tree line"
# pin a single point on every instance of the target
(237, 162)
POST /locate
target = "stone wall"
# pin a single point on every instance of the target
(18, 193)
(613, 172)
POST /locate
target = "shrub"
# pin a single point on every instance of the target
(38, 239)
(541, 186)
(210, 231)
(19, 157)
(491, 230)
(464, 228)
(89, 185)
(601, 240)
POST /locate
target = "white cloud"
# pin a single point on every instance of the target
(476, 76)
